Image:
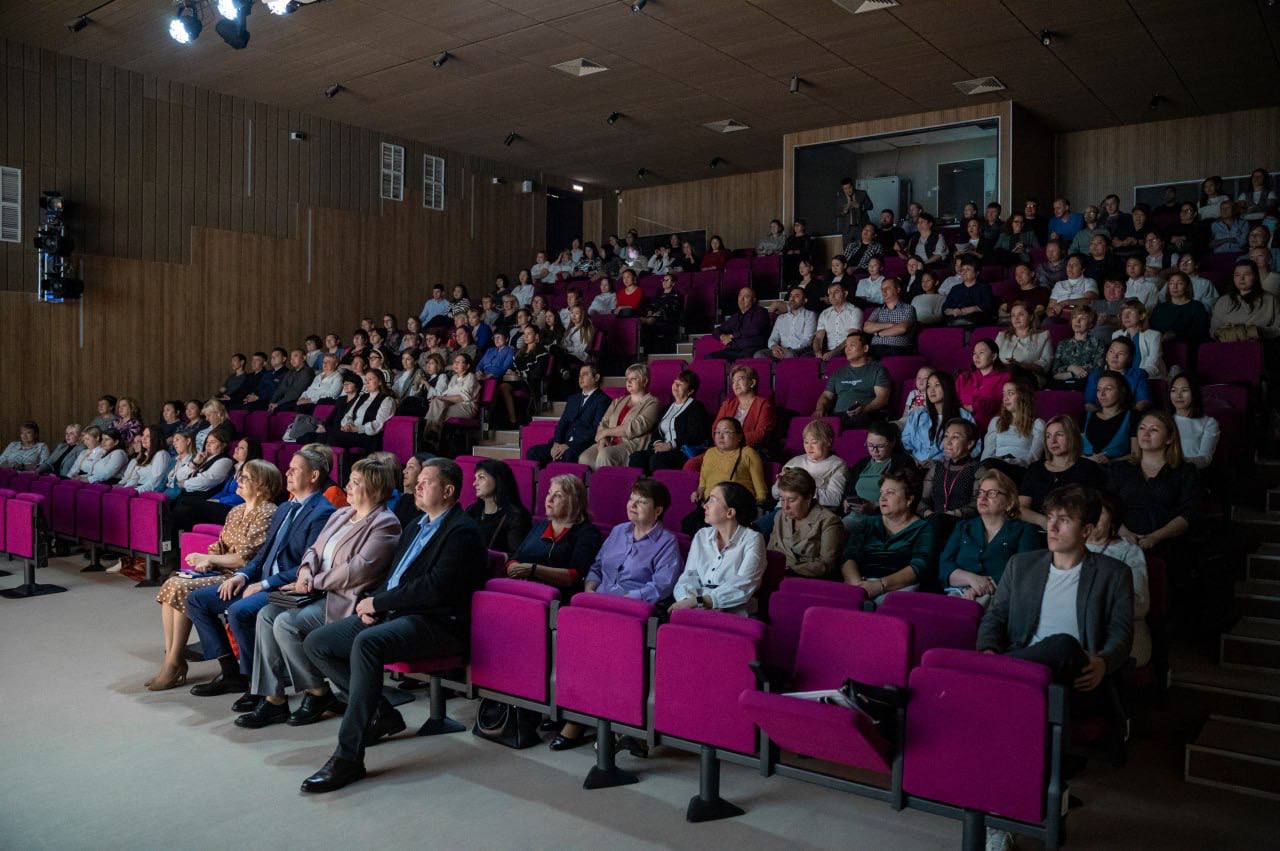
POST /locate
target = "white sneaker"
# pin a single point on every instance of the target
(999, 840)
(112, 563)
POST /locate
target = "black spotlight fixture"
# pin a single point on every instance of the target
(185, 26)
(638, 5)
(333, 91)
(642, 173)
(441, 59)
(1047, 37)
(613, 117)
(511, 138)
(716, 162)
(1156, 102)
(77, 24)
(795, 84)
(234, 26)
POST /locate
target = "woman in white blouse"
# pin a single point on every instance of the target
(1202, 289)
(361, 426)
(1015, 437)
(1024, 344)
(184, 452)
(105, 462)
(1148, 343)
(27, 452)
(726, 558)
(606, 302)
(820, 462)
(147, 470)
(458, 400)
(1198, 432)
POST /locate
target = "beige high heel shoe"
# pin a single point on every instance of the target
(166, 680)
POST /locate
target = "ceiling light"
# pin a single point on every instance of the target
(716, 162)
(578, 187)
(613, 117)
(979, 86)
(77, 24)
(234, 29)
(332, 91)
(638, 5)
(511, 138)
(726, 125)
(1047, 37)
(185, 26)
(642, 173)
(795, 84)
(230, 9)
(580, 67)
(283, 7)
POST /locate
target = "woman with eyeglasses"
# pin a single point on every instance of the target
(862, 485)
(979, 548)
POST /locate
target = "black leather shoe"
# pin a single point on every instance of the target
(384, 725)
(564, 743)
(313, 709)
(222, 684)
(549, 726)
(337, 772)
(246, 703)
(264, 714)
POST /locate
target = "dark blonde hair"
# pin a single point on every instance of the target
(576, 492)
(379, 478)
(1008, 487)
(1024, 419)
(264, 476)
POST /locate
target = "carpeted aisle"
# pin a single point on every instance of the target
(90, 759)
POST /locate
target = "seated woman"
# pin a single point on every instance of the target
(1023, 346)
(91, 440)
(351, 554)
(726, 558)
(1109, 430)
(1147, 344)
(127, 424)
(890, 550)
(379, 363)
(884, 453)
(460, 398)
(1106, 540)
(1017, 242)
(1028, 291)
(408, 385)
(628, 423)
(462, 343)
(808, 534)
(575, 344)
(1015, 438)
(773, 243)
(241, 536)
(559, 550)
(459, 301)
(359, 347)
(106, 463)
(62, 460)
(148, 469)
(504, 521)
(1157, 490)
(1246, 311)
(630, 298)
(1119, 359)
(1080, 354)
(221, 501)
(950, 483)
(748, 407)
(606, 302)
(406, 509)
(728, 460)
(974, 558)
(590, 265)
(1202, 289)
(27, 452)
(526, 377)
(717, 256)
(362, 424)
(683, 431)
(1062, 465)
(821, 463)
(686, 260)
(1197, 432)
(925, 426)
(183, 467)
(928, 301)
(639, 559)
(215, 417)
(1180, 317)
(981, 389)
(576, 428)
(347, 394)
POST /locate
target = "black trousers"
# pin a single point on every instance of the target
(351, 655)
(542, 453)
(651, 461)
(1064, 656)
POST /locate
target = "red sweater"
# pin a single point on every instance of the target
(632, 300)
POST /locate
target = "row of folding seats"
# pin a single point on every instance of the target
(709, 682)
(20, 539)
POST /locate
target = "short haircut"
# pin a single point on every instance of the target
(214, 405)
(905, 477)
(264, 476)
(94, 432)
(641, 370)
(263, 355)
(282, 350)
(821, 431)
(240, 357)
(1082, 503)
(318, 457)
(451, 473)
(1126, 343)
(740, 500)
(690, 378)
(108, 398)
(379, 478)
(886, 429)
(970, 261)
(861, 335)
(749, 372)
(797, 480)
(654, 491)
(575, 491)
(1007, 486)
(970, 430)
(33, 426)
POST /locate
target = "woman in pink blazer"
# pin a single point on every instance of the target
(352, 553)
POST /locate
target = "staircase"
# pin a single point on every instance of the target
(1238, 747)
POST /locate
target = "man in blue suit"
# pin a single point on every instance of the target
(576, 429)
(295, 525)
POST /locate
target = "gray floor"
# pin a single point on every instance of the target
(90, 759)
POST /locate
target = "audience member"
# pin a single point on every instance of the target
(819, 460)
(1053, 268)
(684, 431)
(1259, 199)
(1023, 346)
(1028, 291)
(559, 550)
(862, 484)
(234, 386)
(1119, 358)
(1156, 489)
(435, 309)
(1063, 464)
(1093, 226)
(1181, 317)
(836, 323)
(892, 323)
(1106, 541)
(1147, 344)
(27, 452)
(576, 428)
(889, 550)
(729, 459)
(104, 464)
(859, 253)
(628, 423)
(1065, 224)
(950, 483)
(1246, 312)
(857, 392)
(916, 397)
(925, 426)
(925, 243)
(975, 555)
(1228, 234)
(460, 399)
(867, 293)
(1073, 291)
(663, 317)
(928, 302)
(807, 533)
(1191, 234)
(1015, 437)
(1198, 432)
(726, 558)
(745, 333)
(149, 466)
(62, 460)
(640, 558)
(794, 329)
(503, 520)
(774, 242)
(981, 389)
(1111, 423)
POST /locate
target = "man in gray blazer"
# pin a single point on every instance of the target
(1065, 607)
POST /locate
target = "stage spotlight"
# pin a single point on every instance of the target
(716, 162)
(185, 26)
(332, 91)
(511, 138)
(1047, 37)
(613, 117)
(234, 28)
(638, 5)
(441, 59)
(77, 24)
(283, 7)
(642, 173)
(231, 9)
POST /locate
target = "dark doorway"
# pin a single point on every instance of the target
(564, 220)
(959, 183)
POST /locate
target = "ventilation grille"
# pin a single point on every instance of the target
(861, 7)
(580, 67)
(432, 182)
(10, 204)
(392, 172)
(728, 125)
(980, 85)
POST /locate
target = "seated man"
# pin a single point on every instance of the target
(746, 332)
(793, 331)
(422, 609)
(260, 397)
(971, 303)
(294, 527)
(435, 311)
(297, 378)
(860, 389)
(576, 429)
(1042, 595)
(836, 323)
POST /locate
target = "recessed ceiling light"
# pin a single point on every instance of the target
(578, 187)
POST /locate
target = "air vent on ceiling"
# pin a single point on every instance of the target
(980, 85)
(728, 125)
(859, 7)
(580, 67)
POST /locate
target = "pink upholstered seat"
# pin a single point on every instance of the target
(610, 489)
(511, 638)
(601, 662)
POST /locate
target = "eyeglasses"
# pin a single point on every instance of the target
(990, 493)
(876, 447)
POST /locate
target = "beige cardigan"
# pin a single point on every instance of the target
(642, 419)
(360, 560)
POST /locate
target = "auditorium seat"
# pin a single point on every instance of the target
(525, 473)
(507, 615)
(609, 492)
(680, 484)
(851, 445)
(794, 597)
(536, 433)
(662, 373)
(1053, 403)
(936, 620)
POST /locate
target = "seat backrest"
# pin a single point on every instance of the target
(63, 502)
(662, 373)
(1231, 395)
(611, 603)
(1230, 362)
(786, 616)
(237, 418)
(536, 433)
(115, 516)
(988, 664)
(935, 621)
(706, 345)
(851, 445)
(555, 468)
(468, 465)
(1052, 403)
(902, 367)
(601, 658)
(255, 425)
(398, 437)
(823, 588)
(322, 412)
(701, 668)
(146, 523)
(984, 332)
(502, 620)
(798, 393)
(20, 524)
(680, 484)
(525, 472)
(838, 644)
(279, 423)
(711, 383)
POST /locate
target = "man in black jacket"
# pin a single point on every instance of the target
(421, 610)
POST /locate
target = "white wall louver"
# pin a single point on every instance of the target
(392, 172)
(10, 204)
(432, 182)
(727, 125)
(579, 67)
(861, 7)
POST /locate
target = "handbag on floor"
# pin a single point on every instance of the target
(508, 725)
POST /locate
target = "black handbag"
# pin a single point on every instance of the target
(507, 725)
(292, 599)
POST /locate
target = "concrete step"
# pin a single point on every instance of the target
(1264, 563)
(1253, 644)
(1242, 756)
(1200, 688)
(502, 453)
(1263, 525)
(684, 349)
(669, 355)
(1258, 598)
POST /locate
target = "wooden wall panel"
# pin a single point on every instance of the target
(738, 207)
(1092, 163)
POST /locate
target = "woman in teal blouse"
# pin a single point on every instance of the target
(890, 550)
(979, 548)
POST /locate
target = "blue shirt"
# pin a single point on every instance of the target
(1135, 375)
(644, 569)
(426, 531)
(482, 334)
(1067, 230)
(433, 308)
(495, 362)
